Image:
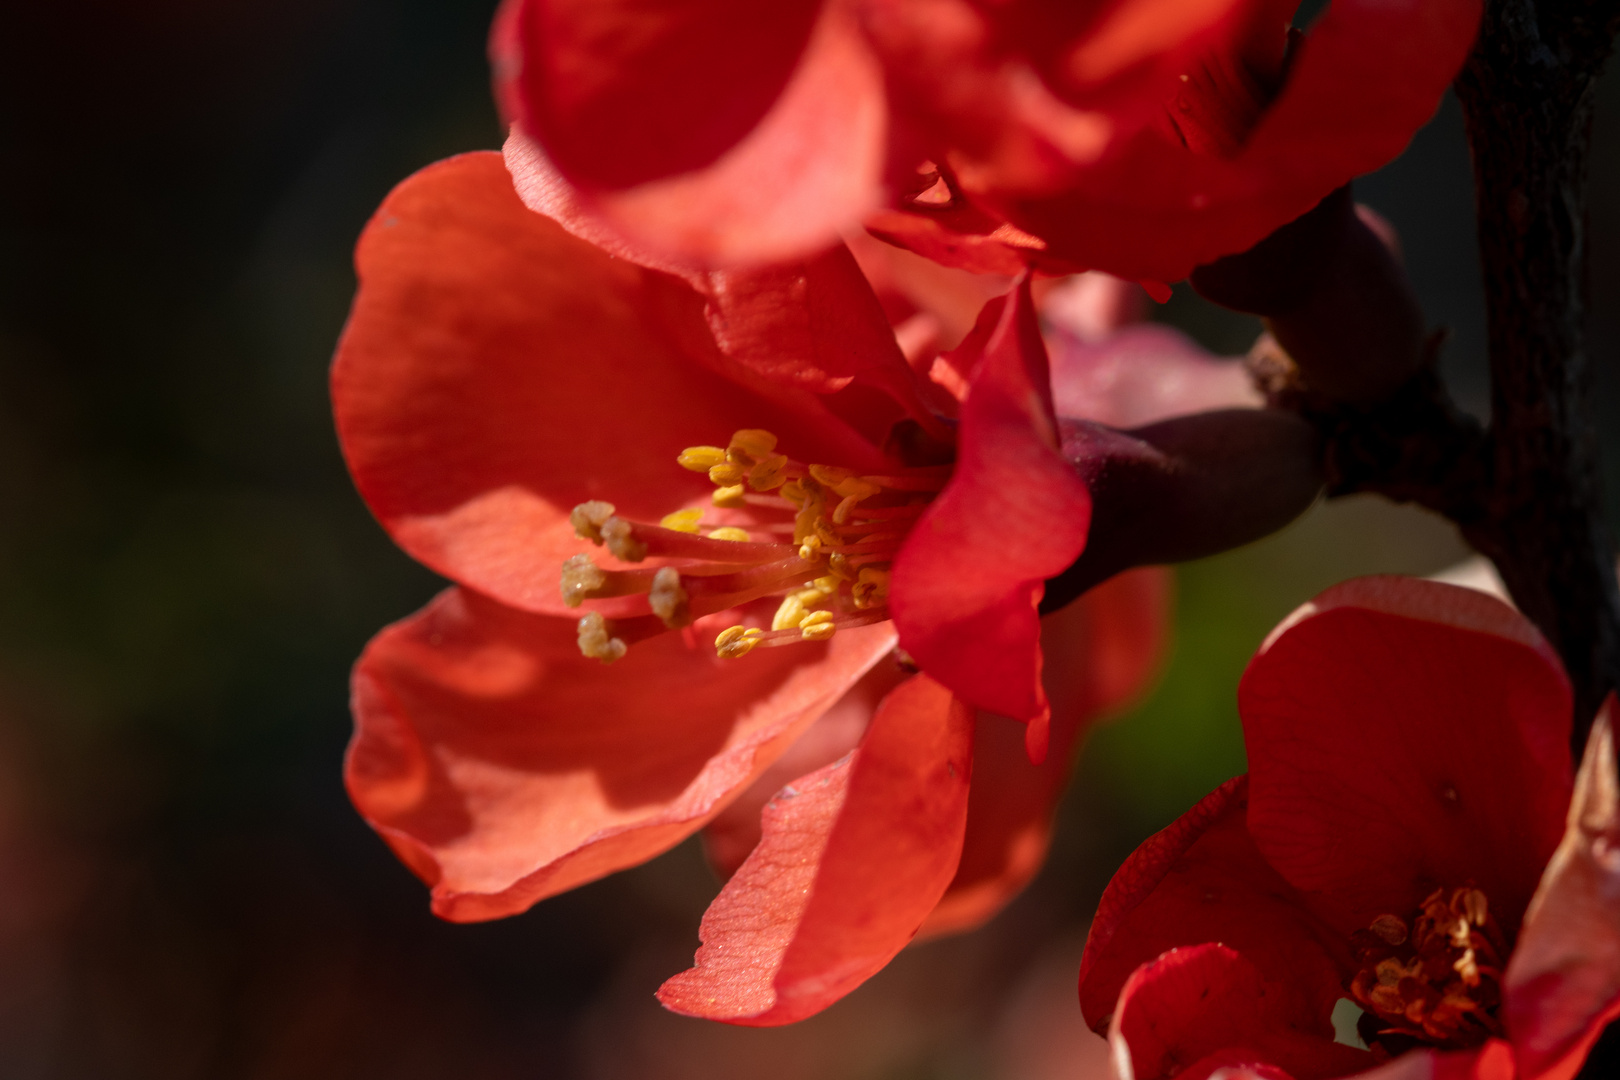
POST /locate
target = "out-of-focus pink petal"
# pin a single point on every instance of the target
(1100, 653)
(966, 584)
(1207, 1007)
(1140, 375)
(1202, 880)
(503, 767)
(1406, 735)
(1563, 982)
(852, 859)
(496, 371)
(714, 132)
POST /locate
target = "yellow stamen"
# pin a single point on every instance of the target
(685, 521)
(729, 497)
(735, 641)
(818, 626)
(588, 518)
(580, 580)
(768, 472)
(619, 536)
(730, 532)
(727, 475)
(789, 614)
(596, 642)
(871, 587)
(754, 442)
(701, 458)
(669, 598)
(830, 475)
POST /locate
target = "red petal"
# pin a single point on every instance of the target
(1202, 880)
(496, 371)
(1140, 375)
(712, 131)
(734, 833)
(1405, 735)
(967, 581)
(853, 858)
(1563, 982)
(1192, 1004)
(504, 767)
(1367, 76)
(1101, 651)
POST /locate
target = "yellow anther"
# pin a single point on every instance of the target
(580, 580)
(818, 626)
(701, 458)
(826, 585)
(735, 641)
(685, 521)
(810, 550)
(725, 475)
(810, 596)
(789, 614)
(838, 563)
(793, 491)
(1391, 928)
(768, 472)
(731, 496)
(620, 537)
(595, 640)
(669, 599)
(831, 475)
(857, 487)
(871, 587)
(1476, 906)
(588, 518)
(730, 532)
(754, 442)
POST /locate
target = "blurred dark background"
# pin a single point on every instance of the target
(186, 575)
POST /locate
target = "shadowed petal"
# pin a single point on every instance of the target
(1202, 880)
(1207, 1006)
(967, 582)
(503, 767)
(496, 371)
(1101, 651)
(1405, 735)
(852, 858)
(1366, 77)
(714, 131)
(1563, 982)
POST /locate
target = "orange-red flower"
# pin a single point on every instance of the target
(507, 393)
(1409, 778)
(1142, 137)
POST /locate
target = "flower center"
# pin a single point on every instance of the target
(1436, 980)
(820, 539)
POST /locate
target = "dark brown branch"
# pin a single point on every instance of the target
(1527, 98)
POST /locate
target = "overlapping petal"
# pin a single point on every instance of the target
(1365, 78)
(496, 371)
(1100, 653)
(1404, 735)
(716, 131)
(967, 582)
(809, 916)
(504, 767)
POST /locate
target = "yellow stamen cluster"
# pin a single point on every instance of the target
(1435, 981)
(845, 528)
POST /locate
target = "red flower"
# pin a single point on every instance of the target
(1090, 135)
(500, 381)
(1408, 785)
